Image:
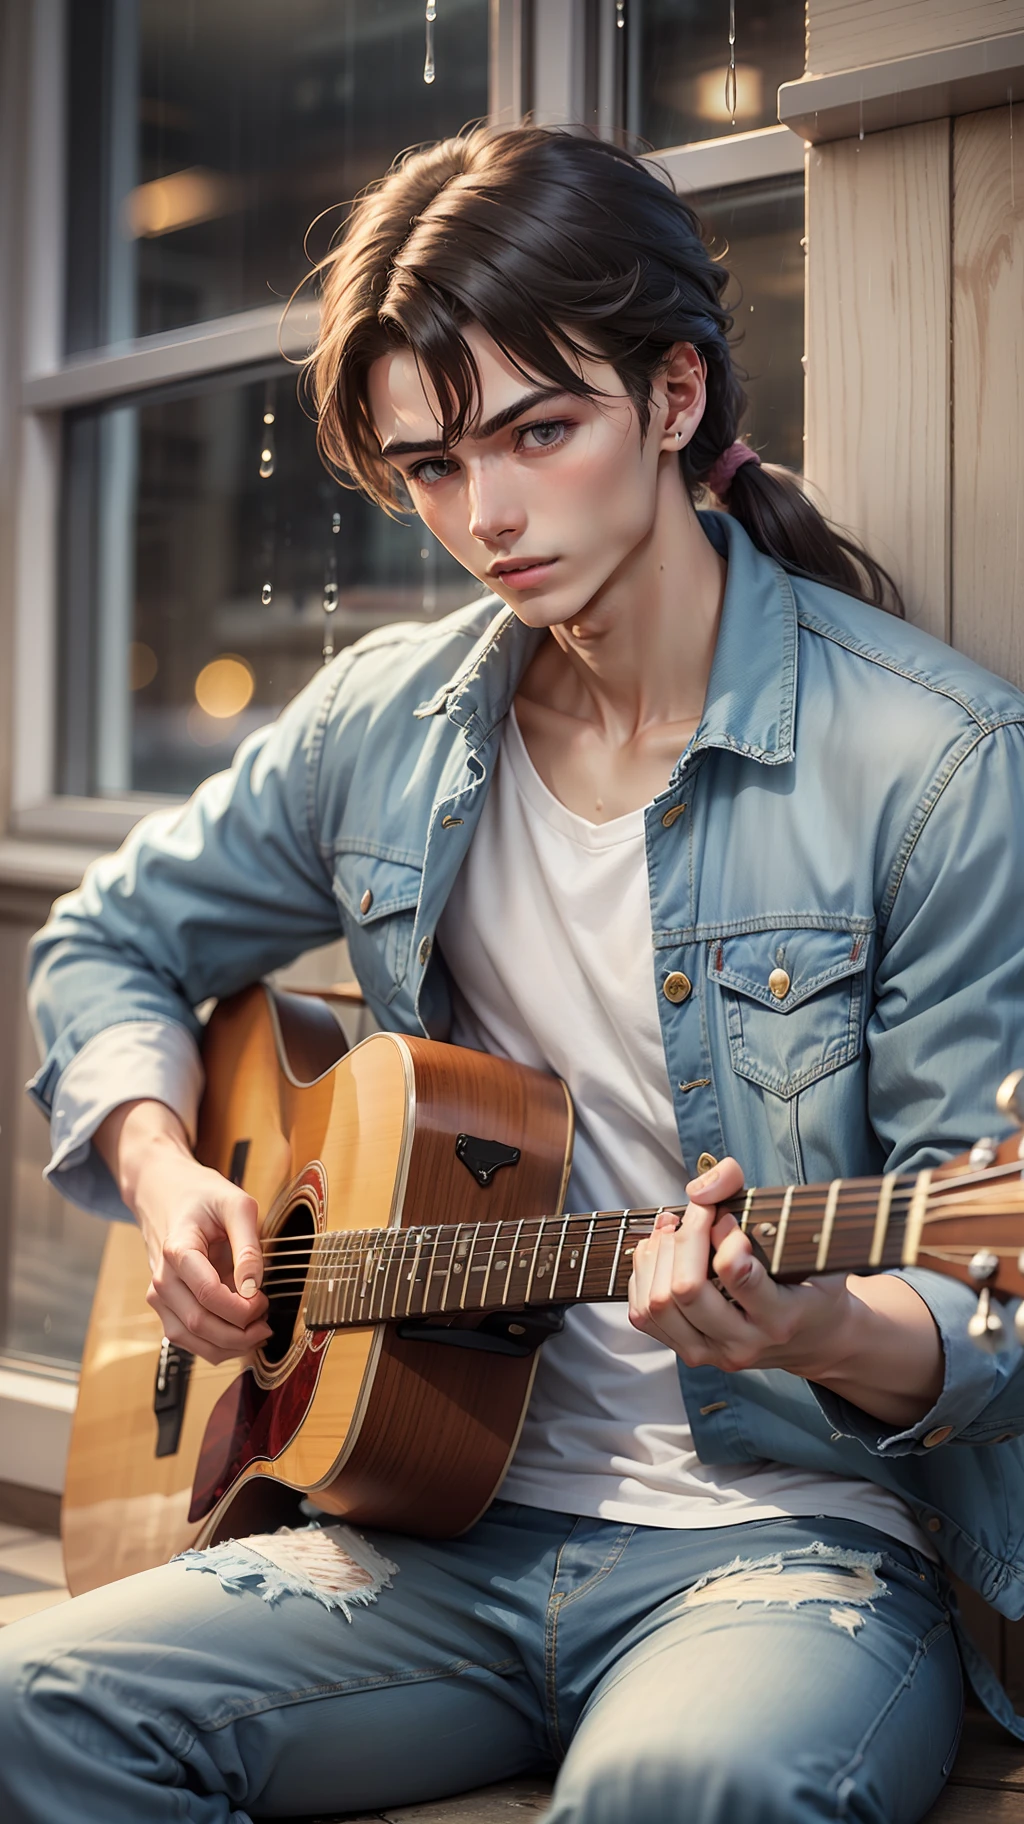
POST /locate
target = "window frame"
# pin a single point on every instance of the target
(560, 61)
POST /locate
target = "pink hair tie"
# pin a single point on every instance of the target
(725, 468)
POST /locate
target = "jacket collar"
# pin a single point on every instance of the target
(750, 706)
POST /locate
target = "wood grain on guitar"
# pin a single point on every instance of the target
(410, 1200)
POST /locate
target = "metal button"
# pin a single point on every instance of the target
(425, 948)
(938, 1436)
(366, 902)
(677, 986)
(449, 823)
(716, 1406)
(675, 810)
(779, 983)
(933, 1523)
(706, 1163)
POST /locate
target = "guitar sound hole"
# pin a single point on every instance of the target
(288, 1260)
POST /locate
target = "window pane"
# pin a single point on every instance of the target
(206, 137)
(678, 66)
(757, 231)
(203, 540)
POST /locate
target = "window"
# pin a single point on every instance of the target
(688, 83)
(181, 540)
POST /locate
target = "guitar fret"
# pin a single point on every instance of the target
(586, 1252)
(825, 1238)
(396, 1284)
(467, 1265)
(536, 1257)
(409, 1279)
(780, 1233)
(490, 1263)
(612, 1277)
(915, 1218)
(513, 1251)
(558, 1260)
(748, 1200)
(429, 1277)
(443, 1302)
(889, 1183)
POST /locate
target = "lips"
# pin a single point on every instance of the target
(523, 573)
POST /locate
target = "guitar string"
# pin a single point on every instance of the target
(866, 1199)
(614, 1224)
(343, 1275)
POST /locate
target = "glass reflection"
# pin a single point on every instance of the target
(204, 139)
(203, 581)
(680, 83)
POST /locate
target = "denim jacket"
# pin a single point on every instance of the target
(850, 809)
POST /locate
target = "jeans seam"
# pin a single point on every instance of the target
(187, 1732)
(556, 1603)
(857, 1758)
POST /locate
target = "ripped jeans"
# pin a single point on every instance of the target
(772, 1672)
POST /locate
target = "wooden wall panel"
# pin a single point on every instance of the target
(842, 34)
(988, 388)
(878, 311)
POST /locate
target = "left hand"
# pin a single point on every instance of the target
(801, 1328)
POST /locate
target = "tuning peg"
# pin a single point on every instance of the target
(1010, 1095)
(986, 1328)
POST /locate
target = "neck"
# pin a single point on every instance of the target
(361, 1277)
(639, 654)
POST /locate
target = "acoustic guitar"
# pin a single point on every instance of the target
(410, 1198)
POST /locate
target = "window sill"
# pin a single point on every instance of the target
(36, 1410)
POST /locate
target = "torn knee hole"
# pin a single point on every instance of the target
(332, 1564)
(848, 1580)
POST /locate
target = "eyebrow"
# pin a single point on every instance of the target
(489, 428)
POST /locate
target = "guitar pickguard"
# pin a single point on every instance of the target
(252, 1424)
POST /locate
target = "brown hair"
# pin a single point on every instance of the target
(557, 245)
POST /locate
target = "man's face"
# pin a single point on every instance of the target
(546, 498)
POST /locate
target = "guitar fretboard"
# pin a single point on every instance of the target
(362, 1277)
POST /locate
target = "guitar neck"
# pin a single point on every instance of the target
(374, 1276)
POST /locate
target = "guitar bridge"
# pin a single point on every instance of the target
(173, 1368)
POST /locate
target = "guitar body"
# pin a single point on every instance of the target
(372, 1426)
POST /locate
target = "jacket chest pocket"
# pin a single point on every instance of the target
(378, 900)
(793, 1002)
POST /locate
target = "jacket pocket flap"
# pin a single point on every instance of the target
(371, 887)
(810, 959)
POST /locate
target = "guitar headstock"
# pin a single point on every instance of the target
(973, 1227)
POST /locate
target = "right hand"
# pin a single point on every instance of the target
(200, 1232)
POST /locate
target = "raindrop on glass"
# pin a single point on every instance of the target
(336, 523)
(424, 553)
(267, 594)
(267, 458)
(428, 66)
(620, 13)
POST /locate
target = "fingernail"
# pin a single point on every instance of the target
(703, 1183)
(249, 1288)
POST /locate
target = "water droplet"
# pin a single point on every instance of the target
(428, 66)
(268, 417)
(424, 553)
(330, 597)
(267, 594)
(266, 461)
(336, 522)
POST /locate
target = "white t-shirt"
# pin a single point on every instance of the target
(547, 935)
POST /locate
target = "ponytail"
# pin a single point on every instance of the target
(771, 506)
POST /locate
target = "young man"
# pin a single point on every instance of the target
(689, 823)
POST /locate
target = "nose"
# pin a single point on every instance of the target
(494, 514)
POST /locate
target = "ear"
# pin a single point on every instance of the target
(680, 393)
